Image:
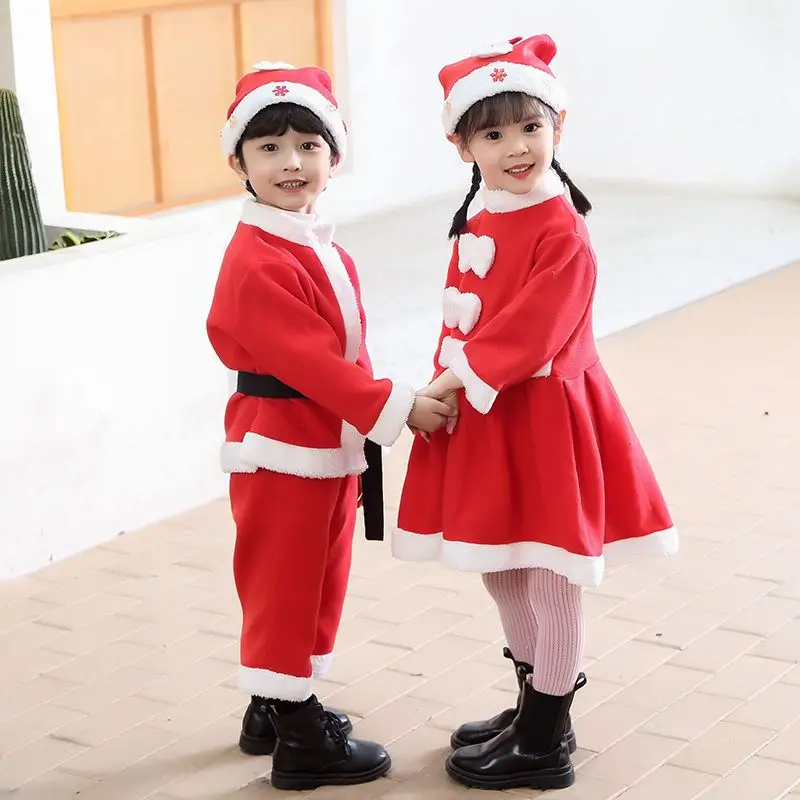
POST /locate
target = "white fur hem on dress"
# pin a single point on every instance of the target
(580, 570)
(276, 685)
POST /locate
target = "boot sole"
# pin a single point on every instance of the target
(298, 781)
(261, 746)
(541, 779)
(456, 743)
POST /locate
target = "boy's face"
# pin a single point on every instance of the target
(288, 172)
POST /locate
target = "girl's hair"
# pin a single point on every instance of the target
(276, 119)
(507, 108)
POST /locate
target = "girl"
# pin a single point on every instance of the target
(287, 316)
(543, 476)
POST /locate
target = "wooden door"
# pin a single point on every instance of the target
(144, 86)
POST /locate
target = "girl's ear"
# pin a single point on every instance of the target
(559, 129)
(463, 151)
(236, 165)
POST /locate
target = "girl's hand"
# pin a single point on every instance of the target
(429, 414)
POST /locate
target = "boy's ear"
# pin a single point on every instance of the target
(463, 151)
(335, 161)
(236, 165)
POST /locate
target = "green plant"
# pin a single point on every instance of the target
(21, 228)
(72, 239)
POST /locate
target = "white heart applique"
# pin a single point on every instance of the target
(475, 253)
(461, 310)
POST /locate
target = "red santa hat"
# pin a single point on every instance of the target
(276, 82)
(517, 65)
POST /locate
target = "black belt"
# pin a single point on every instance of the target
(268, 386)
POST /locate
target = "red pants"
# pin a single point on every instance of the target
(294, 539)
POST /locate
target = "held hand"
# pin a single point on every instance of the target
(429, 414)
(445, 388)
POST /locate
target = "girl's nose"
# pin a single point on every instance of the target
(518, 147)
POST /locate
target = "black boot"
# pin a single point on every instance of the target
(530, 753)
(258, 733)
(485, 730)
(313, 751)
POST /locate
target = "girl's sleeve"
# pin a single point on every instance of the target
(302, 350)
(524, 338)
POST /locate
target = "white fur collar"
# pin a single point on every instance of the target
(307, 229)
(500, 201)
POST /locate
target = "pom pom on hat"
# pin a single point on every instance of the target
(273, 82)
(516, 65)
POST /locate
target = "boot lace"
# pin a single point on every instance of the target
(334, 728)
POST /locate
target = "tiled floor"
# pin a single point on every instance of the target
(117, 666)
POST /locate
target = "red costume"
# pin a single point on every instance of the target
(543, 468)
(287, 306)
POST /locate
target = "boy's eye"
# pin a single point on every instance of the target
(493, 135)
(310, 145)
(270, 147)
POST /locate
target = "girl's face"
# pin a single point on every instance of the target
(288, 172)
(516, 155)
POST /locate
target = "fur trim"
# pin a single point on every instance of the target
(266, 683)
(449, 349)
(260, 452)
(475, 253)
(394, 415)
(465, 557)
(660, 543)
(500, 201)
(481, 396)
(283, 92)
(345, 296)
(461, 309)
(495, 78)
(320, 665)
(306, 229)
(578, 569)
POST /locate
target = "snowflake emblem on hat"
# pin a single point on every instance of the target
(280, 91)
(496, 49)
(499, 75)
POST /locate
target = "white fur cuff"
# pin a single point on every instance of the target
(265, 683)
(320, 665)
(481, 396)
(393, 416)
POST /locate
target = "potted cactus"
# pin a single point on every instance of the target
(22, 232)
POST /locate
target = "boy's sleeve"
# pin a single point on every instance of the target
(524, 338)
(302, 350)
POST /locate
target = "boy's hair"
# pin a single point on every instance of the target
(507, 108)
(275, 120)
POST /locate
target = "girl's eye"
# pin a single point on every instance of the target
(532, 127)
(493, 135)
